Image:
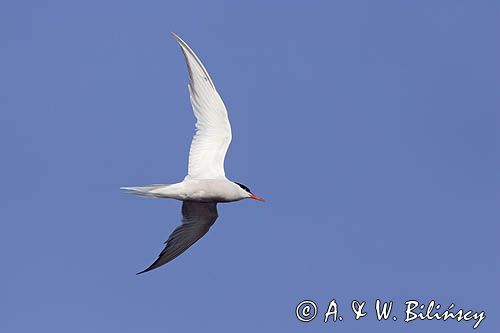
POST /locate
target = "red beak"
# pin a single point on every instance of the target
(257, 198)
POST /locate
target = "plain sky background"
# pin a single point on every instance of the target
(369, 126)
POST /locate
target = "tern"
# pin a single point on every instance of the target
(205, 184)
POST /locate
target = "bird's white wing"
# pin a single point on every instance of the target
(197, 218)
(213, 130)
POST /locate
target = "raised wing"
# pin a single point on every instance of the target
(197, 218)
(213, 130)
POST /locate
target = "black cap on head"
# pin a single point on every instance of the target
(244, 187)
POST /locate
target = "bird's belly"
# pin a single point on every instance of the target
(210, 191)
(207, 196)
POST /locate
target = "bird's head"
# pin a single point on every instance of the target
(246, 193)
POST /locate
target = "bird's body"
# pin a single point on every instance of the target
(206, 183)
(197, 190)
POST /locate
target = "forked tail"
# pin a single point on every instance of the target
(145, 191)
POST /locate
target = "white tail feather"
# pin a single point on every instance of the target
(145, 191)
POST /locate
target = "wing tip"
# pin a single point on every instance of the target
(175, 36)
(154, 265)
(146, 270)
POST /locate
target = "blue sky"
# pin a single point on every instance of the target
(369, 127)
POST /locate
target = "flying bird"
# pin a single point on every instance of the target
(205, 184)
